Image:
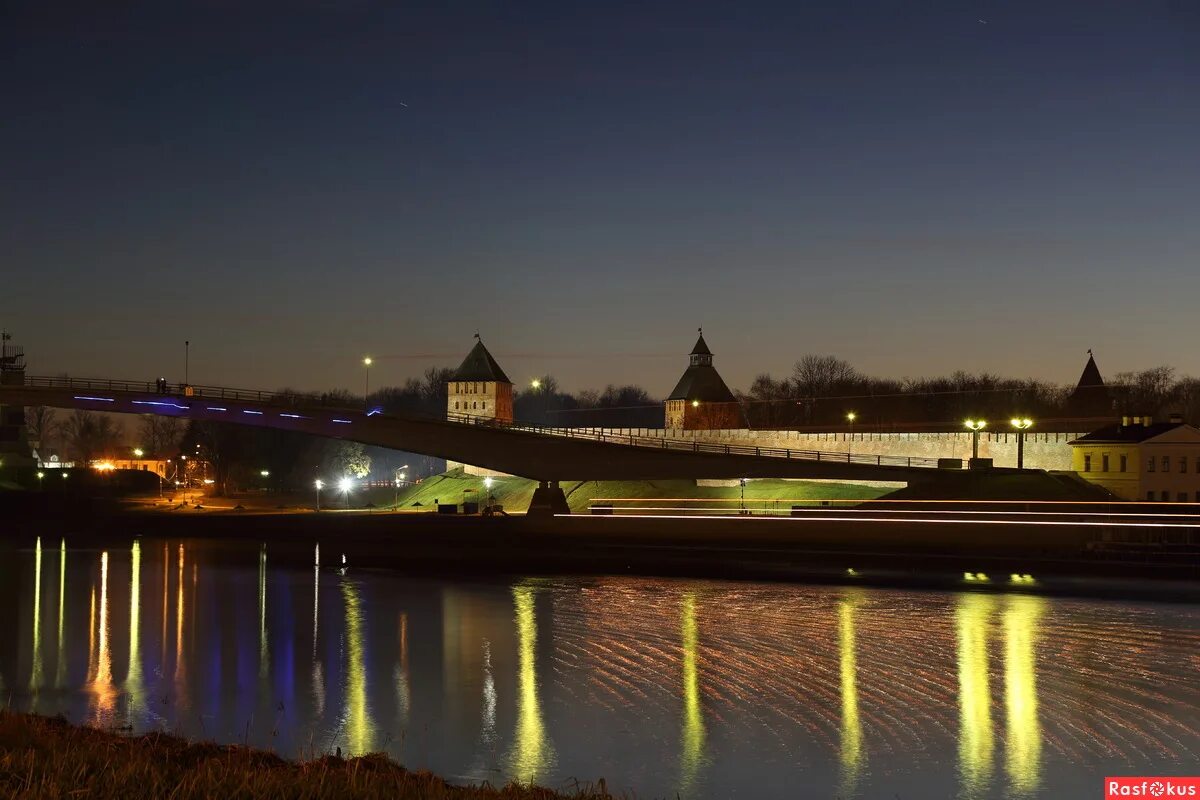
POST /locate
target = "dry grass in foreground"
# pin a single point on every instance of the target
(50, 758)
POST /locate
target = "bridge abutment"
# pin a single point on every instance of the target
(548, 500)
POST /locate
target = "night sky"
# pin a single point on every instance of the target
(915, 187)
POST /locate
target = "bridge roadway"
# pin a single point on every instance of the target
(544, 454)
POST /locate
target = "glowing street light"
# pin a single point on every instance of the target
(344, 486)
(40, 476)
(975, 426)
(535, 384)
(1022, 424)
(367, 362)
(850, 417)
(138, 452)
(695, 404)
(265, 473)
(318, 484)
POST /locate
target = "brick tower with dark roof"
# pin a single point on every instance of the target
(701, 400)
(479, 387)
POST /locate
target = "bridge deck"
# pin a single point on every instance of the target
(533, 451)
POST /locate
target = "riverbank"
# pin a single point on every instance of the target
(1051, 550)
(42, 757)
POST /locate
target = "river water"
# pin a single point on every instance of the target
(703, 689)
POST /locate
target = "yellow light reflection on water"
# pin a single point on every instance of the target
(133, 679)
(103, 691)
(532, 753)
(180, 612)
(975, 736)
(852, 757)
(1023, 741)
(35, 674)
(693, 734)
(357, 723)
(60, 672)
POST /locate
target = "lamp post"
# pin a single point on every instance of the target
(742, 483)
(367, 362)
(850, 417)
(975, 426)
(40, 476)
(398, 481)
(1022, 424)
(344, 486)
(318, 484)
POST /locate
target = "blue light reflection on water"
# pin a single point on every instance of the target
(703, 688)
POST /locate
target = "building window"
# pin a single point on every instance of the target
(1150, 494)
(475, 406)
(1087, 462)
(1181, 497)
(456, 405)
(1166, 496)
(1124, 462)
(1183, 463)
(1104, 463)
(1150, 464)
(1166, 463)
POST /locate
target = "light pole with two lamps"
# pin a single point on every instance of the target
(975, 426)
(1022, 424)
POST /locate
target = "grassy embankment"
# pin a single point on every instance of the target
(49, 758)
(515, 493)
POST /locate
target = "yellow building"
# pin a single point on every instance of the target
(479, 388)
(1142, 460)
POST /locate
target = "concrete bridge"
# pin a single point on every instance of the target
(545, 454)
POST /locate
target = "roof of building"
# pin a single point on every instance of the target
(1128, 434)
(479, 366)
(1091, 374)
(701, 381)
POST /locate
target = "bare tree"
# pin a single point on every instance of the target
(161, 435)
(42, 427)
(822, 376)
(89, 435)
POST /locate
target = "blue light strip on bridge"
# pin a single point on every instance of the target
(258, 413)
(342, 421)
(98, 399)
(293, 416)
(215, 408)
(159, 403)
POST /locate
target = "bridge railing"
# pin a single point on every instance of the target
(696, 446)
(285, 397)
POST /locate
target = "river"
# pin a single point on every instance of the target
(704, 689)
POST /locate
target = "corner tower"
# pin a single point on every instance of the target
(1090, 397)
(479, 388)
(701, 400)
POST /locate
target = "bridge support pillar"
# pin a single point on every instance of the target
(548, 500)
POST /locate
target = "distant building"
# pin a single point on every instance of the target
(479, 388)
(14, 436)
(1090, 397)
(1139, 459)
(701, 400)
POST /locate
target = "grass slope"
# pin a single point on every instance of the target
(515, 493)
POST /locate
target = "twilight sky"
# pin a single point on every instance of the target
(915, 187)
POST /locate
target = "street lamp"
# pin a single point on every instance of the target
(40, 476)
(850, 417)
(344, 486)
(975, 426)
(536, 384)
(138, 452)
(367, 362)
(1022, 424)
(742, 483)
(318, 484)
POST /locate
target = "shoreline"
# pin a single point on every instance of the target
(1060, 559)
(49, 757)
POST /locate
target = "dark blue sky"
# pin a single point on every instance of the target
(896, 183)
